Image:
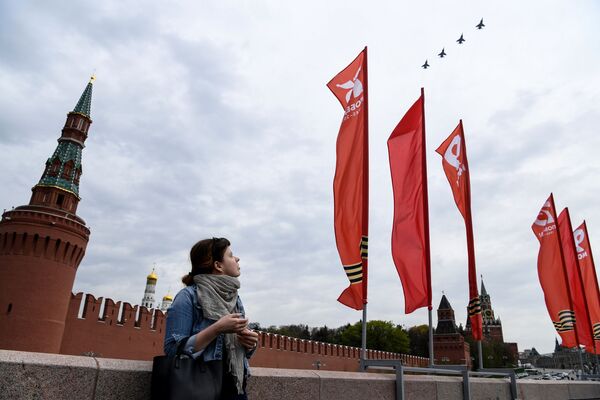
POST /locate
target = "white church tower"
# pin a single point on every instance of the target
(166, 302)
(148, 300)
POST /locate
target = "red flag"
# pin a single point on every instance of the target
(351, 181)
(590, 281)
(582, 317)
(410, 232)
(552, 274)
(454, 161)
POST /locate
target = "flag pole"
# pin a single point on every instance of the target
(597, 289)
(566, 278)
(426, 228)
(365, 210)
(430, 337)
(472, 274)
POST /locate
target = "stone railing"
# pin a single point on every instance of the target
(26, 375)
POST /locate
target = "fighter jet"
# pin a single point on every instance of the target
(480, 25)
(426, 65)
(442, 54)
(461, 39)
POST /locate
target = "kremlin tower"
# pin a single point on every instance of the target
(166, 302)
(449, 345)
(492, 326)
(148, 299)
(43, 243)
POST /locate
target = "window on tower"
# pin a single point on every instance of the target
(67, 169)
(54, 168)
(77, 175)
(60, 200)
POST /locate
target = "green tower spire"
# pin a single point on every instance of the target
(63, 168)
(85, 101)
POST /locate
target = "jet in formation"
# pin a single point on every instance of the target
(460, 40)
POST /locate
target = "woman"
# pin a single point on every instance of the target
(209, 315)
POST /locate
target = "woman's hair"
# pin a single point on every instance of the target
(203, 256)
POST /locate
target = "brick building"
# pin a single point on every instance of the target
(492, 326)
(449, 345)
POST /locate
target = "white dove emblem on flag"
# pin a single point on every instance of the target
(355, 86)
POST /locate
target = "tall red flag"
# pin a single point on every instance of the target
(590, 281)
(582, 316)
(351, 181)
(410, 231)
(552, 274)
(454, 161)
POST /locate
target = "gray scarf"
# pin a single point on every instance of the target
(217, 295)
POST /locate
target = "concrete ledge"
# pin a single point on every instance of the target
(26, 375)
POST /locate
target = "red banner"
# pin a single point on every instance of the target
(454, 161)
(552, 274)
(583, 328)
(351, 181)
(410, 231)
(590, 281)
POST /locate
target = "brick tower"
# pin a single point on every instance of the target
(449, 346)
(492, 326)
(42, 244)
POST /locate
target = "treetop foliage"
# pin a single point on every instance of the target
(381, 335)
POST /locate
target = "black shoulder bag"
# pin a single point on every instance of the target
(180, 377)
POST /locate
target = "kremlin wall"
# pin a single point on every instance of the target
(43, 243)
(103, 328)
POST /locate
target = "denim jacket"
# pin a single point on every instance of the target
(185, 319)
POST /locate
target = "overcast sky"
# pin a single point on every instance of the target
(213, 119)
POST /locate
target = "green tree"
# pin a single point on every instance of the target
(419, 340)
(495, 354)
(298, 331)
(325, 334)
(381, 335)
(350, 335)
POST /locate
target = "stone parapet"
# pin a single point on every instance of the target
(45, 215)
(25, 375)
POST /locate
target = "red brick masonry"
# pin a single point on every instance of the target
(136, 333)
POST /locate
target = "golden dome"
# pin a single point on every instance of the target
(168, 297)
(152, 276)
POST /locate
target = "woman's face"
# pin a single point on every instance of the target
(230, 265)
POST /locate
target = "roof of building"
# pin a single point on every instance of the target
(66, 153)
(445, 327)
(152, 276)
(84, 104)
(483, 291)
(444, 304)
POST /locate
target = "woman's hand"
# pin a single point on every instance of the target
(248, 338)
(231, 323)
